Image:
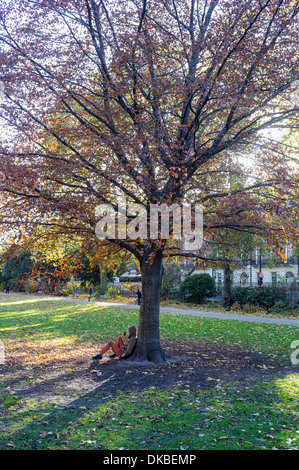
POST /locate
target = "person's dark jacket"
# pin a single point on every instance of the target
(128, 349)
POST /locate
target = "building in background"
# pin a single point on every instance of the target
(258, 266)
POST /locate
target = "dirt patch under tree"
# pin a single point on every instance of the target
(81, 381)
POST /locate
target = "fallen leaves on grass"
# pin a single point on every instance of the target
(47, 352)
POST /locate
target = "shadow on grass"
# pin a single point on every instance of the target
(212, 397)
(143, 407)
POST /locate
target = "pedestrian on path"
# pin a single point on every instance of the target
(138, 296)
(89, 293)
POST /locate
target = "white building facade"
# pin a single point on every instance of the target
(247, 273)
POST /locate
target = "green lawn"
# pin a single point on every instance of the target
(257, 412)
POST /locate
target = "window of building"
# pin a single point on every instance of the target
(243, 279)
(274, 278)
(289, 277)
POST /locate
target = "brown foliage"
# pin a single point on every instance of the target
(152, 100)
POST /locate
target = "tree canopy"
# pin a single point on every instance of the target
(155, 100)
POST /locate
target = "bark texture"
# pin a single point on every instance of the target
(148, 344)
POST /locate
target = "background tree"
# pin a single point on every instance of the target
(146, 99)
(17, 267)
(171, 279)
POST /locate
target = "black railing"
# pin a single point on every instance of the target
(265, 262)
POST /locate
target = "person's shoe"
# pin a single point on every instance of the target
(113, 355)
(98, 356)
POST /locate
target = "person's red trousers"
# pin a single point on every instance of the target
(116, 347)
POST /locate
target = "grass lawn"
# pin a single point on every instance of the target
(209, 306)
(234, 387)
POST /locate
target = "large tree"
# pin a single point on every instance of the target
(147, 99)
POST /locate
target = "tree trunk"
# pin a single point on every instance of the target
(227, 286)
(148, 344)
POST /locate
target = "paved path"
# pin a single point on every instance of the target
(181, 311)
(223, 316)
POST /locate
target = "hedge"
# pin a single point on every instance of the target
(263, 296)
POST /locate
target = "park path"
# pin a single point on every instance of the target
(180, 311)
(220, 315)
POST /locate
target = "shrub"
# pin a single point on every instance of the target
(236, 307)
(174, 294)
(195, 288)
(2, 286)
(18, 267)
(31, 286)
(263, 296)
(68, 288)
(249, 308)
(279, 306)
(113, 290)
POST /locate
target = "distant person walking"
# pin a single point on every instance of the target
(89, 293)
(6, 289)
(138, 296)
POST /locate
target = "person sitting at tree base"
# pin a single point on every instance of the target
(121, 349)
